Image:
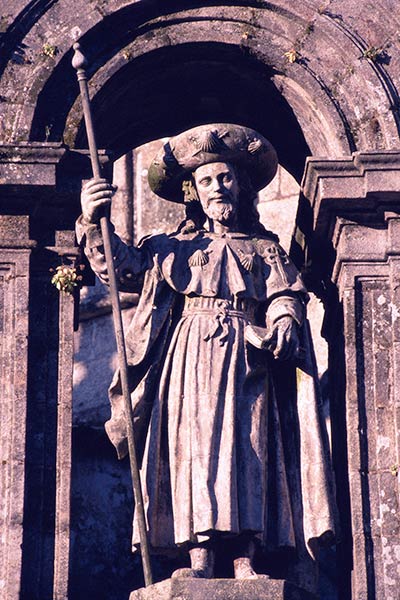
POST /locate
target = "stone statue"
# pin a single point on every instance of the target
(233, 445)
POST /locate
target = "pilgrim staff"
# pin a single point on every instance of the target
(79, 62)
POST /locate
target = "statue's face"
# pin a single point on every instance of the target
(218, 190)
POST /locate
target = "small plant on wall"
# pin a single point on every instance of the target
(66, 278)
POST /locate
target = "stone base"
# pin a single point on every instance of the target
(221, 589)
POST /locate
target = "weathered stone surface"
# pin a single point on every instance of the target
(36, 44)
(221, 589)
(224, 231)
(122, 209)
(363, 227)
(27, 165)
(35, 445)
(14, 298)
(62, 537)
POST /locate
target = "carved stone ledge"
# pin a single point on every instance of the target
(31, 168)
(221, 589)
(366, 183)
(18, 163)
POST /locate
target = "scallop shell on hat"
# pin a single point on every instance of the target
(209, 141)
(254, 146)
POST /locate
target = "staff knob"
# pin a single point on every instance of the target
(79, 60)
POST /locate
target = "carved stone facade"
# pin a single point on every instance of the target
(356, 221)
(338, 103)
(36, 235)
(14, 269)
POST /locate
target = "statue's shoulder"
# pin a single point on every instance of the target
(165, 246)
(179, 236)
(154, 241)
(266, 243)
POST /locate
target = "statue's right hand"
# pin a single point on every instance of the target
(95, 199)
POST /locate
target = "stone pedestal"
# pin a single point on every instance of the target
(356, 231)
(221, 589)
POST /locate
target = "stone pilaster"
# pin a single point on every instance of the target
(356, 229)
(39, 202)
(62, 536)
(15, 249)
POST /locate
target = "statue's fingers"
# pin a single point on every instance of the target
(104, 195)
(97, 209)
(280, 341)
(269, 342)
(93, 182)
(99, 205)
(100, 187)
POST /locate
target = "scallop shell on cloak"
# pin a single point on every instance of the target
(198, 259)
(246, 260)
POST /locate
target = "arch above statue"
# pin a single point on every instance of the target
(300, 75)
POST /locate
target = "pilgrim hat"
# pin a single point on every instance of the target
(217, 142)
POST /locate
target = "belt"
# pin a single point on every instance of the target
(242, 305)
(220, 311)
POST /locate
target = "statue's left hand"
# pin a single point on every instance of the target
(283, 341)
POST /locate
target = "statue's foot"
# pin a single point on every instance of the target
(202, 562)
(243, 569)
(186, 572)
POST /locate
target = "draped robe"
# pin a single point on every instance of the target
(232, 441)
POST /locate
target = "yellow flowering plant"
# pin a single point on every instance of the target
(66, 278)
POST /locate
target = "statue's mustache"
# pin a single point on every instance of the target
(222, 198)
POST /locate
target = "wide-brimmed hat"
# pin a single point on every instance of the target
(217, 142)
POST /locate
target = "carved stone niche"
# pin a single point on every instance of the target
(354, 252)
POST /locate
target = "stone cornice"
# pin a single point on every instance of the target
(32, 152)
(363, 183)
(42, 163)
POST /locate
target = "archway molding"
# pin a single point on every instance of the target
(157, 69)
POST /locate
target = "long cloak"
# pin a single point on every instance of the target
(300, 506)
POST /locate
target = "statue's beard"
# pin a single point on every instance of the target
(222, 212)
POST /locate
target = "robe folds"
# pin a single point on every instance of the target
(230, 440)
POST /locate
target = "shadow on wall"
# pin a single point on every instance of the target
(102, 565)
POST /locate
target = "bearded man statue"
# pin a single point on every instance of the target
(222, 376)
